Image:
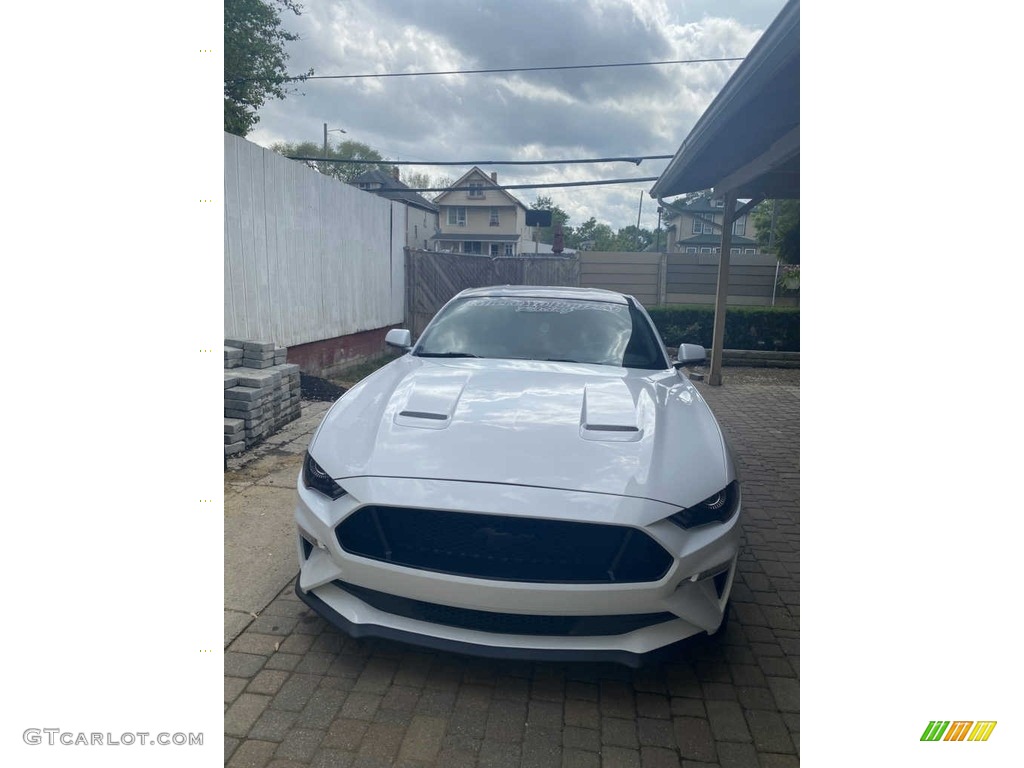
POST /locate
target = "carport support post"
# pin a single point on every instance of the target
(718, 336)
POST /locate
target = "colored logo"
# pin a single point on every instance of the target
(958, 730)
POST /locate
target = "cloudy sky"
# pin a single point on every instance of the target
(516, 116)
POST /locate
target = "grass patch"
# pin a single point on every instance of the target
(352, 376)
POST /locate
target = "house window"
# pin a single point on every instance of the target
(476, 190)
(748, 250)
(702, 225)
(739, 227)
(472, 247)
(734, 251)
(494, 249)
(508, 249)
(705, 250)
(457, 216)
(718, 203)
(691, 249)
(494, 217)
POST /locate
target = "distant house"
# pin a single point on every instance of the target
(542, 249)
(690, 228)
(420, 213)
(475, 216)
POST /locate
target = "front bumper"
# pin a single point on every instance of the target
(370, 598)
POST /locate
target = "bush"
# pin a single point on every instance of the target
(774, 329)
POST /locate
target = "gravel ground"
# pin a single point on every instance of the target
(320, 389)
(760, 376)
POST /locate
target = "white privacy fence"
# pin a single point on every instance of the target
(306, 257)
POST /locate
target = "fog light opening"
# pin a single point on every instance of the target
(720, 573)
(307, 547)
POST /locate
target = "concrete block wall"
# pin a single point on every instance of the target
(261, 392)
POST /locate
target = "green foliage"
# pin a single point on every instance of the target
(254, 59)
(632, 238)
(789, 278)
(756, 328)
(347, 150)
(591, 236)
(558, 216)
(784, 241)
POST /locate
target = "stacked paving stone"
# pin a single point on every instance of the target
(261, 392)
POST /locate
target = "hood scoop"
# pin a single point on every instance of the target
(430, 402)
(425, 415)
(609, 413)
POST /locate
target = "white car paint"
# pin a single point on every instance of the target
(522, 439)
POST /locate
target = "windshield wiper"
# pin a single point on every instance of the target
(446, 354)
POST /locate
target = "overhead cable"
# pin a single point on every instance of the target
(636, 160)
(598, 183)
(305, 78)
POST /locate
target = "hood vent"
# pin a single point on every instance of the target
(424, 415)
(609, 413)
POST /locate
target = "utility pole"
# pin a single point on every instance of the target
(333, 130)
(638, 212)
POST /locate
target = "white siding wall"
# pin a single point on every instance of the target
(306, 257)
(420, 226)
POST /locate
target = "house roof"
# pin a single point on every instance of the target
(747, 142)
(700, 205)
(462, 185)
(464, 236)
(716, 240)
(393, 189)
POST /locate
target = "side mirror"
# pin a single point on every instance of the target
(690, 354)
(400, 338)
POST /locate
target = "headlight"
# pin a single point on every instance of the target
(714, 509)
(314, 477)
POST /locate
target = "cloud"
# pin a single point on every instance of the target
(522, 115)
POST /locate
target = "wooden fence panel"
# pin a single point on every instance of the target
(433, 278)
(306, 257)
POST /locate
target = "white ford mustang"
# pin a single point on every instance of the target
(533, 479)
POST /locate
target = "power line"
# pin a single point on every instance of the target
(487, 71)
(636, 160)
(524, 186)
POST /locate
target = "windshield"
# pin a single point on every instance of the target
(525, 328)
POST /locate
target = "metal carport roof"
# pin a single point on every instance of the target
(746, 144)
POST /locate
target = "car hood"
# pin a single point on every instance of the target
(553, 425)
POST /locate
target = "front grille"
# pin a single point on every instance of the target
(504, 548)
(505, 623)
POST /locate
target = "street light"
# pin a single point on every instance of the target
(332, 130)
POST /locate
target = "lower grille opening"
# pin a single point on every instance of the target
(307, 547)
(504, 623)
(504, 548)
(720, 581)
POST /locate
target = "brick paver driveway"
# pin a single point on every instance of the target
(298, 692)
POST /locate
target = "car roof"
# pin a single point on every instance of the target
(546, 292)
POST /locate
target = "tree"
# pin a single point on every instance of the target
(417, 179)
(347, 150)
(558, 216)
(254, 59)
(784, 239)
(591, 236)
(631, 238)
